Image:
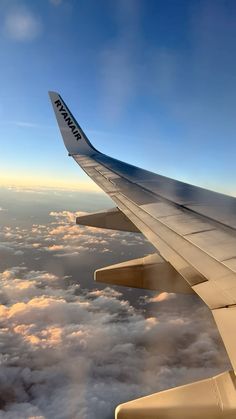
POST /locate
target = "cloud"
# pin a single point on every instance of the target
(119, 59)
(62, 237)
(72, 349)
(24, 189)
(55, 2)
(163, 296)
(68, 352)
(25, 124)
(8, 247)
(22, 25)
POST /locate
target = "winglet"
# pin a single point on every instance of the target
(73, 136)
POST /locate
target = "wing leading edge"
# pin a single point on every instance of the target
(193, 229)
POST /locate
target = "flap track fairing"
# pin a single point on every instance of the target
(112, 219)
(150, 272)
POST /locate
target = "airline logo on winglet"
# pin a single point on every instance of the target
(71, 124)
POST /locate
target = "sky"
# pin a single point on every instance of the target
(151, 83)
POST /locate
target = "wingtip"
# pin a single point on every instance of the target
(74, 138)
(53, 92)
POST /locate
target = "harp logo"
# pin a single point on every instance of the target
(68, 119)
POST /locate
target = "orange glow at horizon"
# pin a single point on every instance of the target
(45, 182)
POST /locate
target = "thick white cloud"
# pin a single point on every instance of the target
(68, 352)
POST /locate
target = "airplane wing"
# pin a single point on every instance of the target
(194, 232)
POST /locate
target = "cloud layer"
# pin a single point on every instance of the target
(69, 350)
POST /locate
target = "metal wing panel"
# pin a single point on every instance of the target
(218, 207)
(189, 253)
(198, 230)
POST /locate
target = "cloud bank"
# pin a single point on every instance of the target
(74, 351)
(68, 352)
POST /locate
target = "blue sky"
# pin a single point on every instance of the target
(151, 82)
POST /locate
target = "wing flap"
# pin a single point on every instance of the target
(212, 398)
